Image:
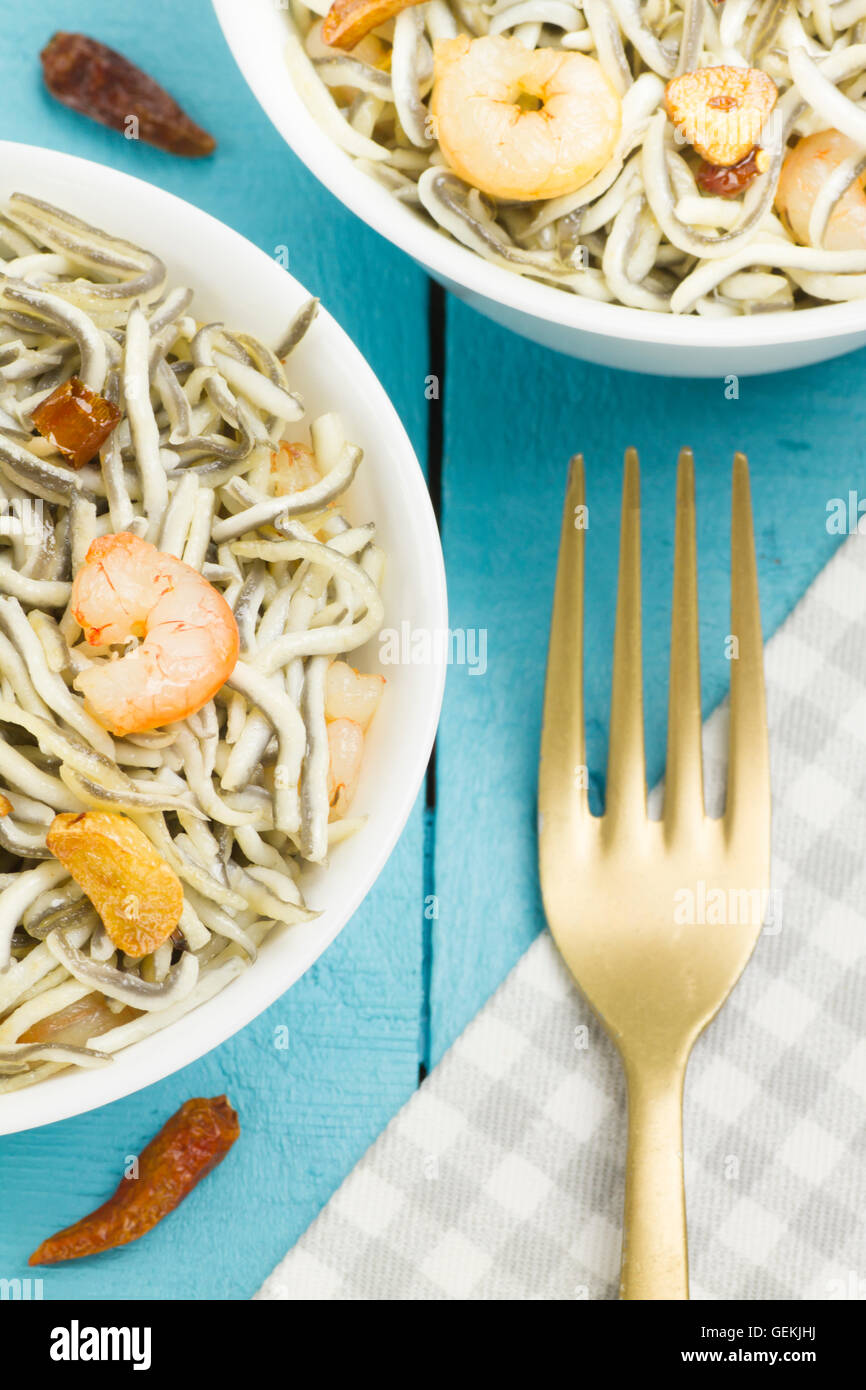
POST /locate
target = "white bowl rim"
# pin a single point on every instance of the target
(141, 1065)
(465, 268)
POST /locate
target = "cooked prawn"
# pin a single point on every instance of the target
(346, 747)
(804, 173)
(349, 695)
(351, 700)
(127, 588)
(522, 123)
(293, 468)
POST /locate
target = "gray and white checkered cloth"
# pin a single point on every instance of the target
(502, 1178)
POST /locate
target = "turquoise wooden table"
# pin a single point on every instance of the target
(458, 902)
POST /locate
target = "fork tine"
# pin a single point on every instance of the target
(748, 761)
(563, 746)
(684, 782)
(626, 773)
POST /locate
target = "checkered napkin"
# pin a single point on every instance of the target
(502, 1178)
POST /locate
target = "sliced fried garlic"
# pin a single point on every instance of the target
(721, 111)
(349, 21)
(137, 895)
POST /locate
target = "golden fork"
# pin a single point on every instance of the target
(613, 886)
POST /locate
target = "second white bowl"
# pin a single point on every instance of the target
(636, 339)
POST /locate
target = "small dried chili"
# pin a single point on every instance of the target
(76, 421)
(188, 1146)
(100, 83)
(730, 182)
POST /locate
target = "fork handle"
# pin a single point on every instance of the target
(655, 1251)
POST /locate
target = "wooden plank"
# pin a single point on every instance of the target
(309, 1112)
(514, 413)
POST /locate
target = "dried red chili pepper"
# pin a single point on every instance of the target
(76, 420)
(730, 182)
(95, 80)
(187, 1147)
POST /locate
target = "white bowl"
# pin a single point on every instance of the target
(611, 334)
(240, 285)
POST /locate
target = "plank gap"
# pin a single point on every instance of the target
(436, 329)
